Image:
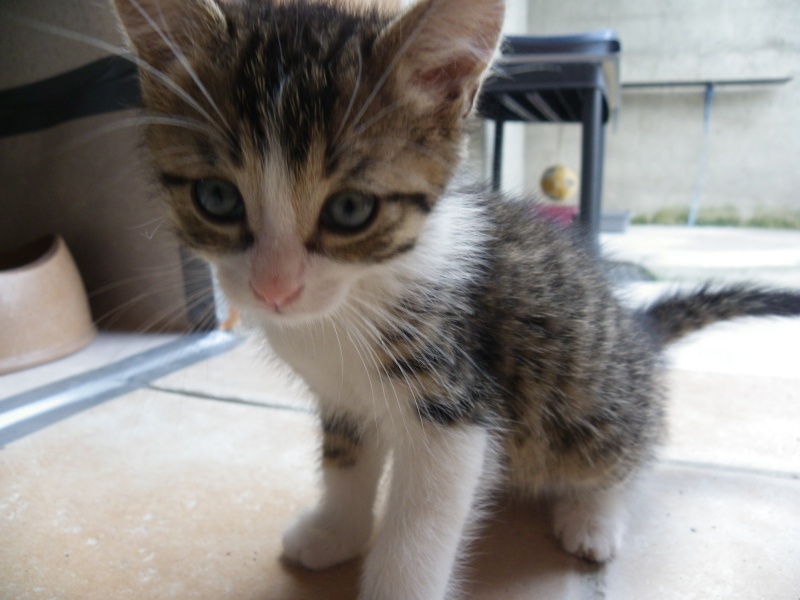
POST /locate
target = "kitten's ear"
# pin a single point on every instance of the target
(158, 29)
(442, 48)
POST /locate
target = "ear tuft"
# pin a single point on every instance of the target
(443, 47)
(158, 28)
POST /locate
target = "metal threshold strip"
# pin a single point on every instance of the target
(30, 411)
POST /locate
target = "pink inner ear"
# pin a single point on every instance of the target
(457, 80)
(451, 74)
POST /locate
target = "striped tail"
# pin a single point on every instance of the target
(677, 315)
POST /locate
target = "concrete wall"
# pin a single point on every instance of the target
(43, 38)
(653, 157)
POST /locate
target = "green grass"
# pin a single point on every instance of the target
(721, 216)
(664, 216)
(790, 220)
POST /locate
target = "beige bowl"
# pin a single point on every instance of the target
(44, 312)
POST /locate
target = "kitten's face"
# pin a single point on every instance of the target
(302, 147)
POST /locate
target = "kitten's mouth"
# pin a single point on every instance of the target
(289, 300)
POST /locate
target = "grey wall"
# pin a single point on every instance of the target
(653, 157)
(42, 38)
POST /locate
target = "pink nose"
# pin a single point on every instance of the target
(277, 294)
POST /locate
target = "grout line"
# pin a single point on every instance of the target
(230, 400)
(30, 411)
(730, 469)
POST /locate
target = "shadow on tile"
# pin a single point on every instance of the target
(516, 557)
(513, 558)
(340, 583)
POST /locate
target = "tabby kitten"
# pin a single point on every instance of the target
(309, 151)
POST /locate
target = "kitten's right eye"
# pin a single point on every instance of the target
(219, 200)
(349, 212)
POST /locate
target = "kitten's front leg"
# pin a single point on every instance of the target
(590, 521)
(435, 478)
(339, 527)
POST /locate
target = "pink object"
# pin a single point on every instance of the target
(560, 215)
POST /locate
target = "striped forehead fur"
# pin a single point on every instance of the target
(294, 70)
(300, 87)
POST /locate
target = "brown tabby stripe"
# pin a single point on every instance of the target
(170, 180)
(294, 98)
(341, 441)
(421, 201)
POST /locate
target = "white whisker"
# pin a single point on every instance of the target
(162, 33)
(364, 344)
(384, 112)
(352, 96)
(385, 75)
(377, 338)
(138, 121)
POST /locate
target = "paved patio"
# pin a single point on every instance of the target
(700, 253)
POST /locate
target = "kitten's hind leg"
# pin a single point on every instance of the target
(339, 527)
(590, 521)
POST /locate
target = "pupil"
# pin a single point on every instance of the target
(219, 199)
(218, 195)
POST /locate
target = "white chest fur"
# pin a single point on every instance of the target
(337, 361)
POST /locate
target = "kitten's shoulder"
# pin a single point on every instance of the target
(529, 256)
(519, 227)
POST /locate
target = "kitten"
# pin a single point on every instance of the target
(309, 151)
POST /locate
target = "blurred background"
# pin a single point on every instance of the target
(708, 120)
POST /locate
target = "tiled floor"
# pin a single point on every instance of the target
(181, 489)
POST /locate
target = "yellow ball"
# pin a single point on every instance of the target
(559, 182)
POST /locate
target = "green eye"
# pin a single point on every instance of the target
(219, 200)
(349, 212)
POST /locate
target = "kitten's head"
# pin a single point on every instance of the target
(304, 144)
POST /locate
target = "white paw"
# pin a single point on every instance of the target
(318, 540)
(589, 532)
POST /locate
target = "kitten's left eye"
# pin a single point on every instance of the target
(349, 212)
(219, 200)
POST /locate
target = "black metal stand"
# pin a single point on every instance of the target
(560, 79)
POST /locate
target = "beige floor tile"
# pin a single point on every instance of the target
(769, 347)
(156, 496)
(743, 421)
(250, 372)
(707, 535)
